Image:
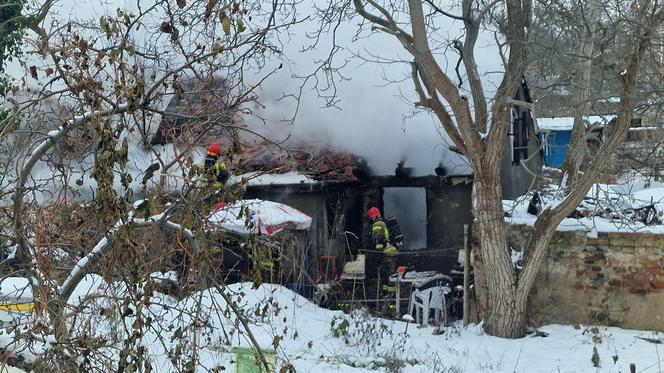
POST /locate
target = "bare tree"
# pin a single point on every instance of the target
(80, 121)
(574, 70)
(479, 125)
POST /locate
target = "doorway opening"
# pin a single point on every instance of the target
(409, 206)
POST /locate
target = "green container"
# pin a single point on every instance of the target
(246, 360)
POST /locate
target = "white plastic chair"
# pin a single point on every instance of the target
(430, 296)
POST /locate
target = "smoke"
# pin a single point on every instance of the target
(409, 206)
(373, 115)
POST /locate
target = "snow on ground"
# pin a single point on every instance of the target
(372, 344)
(317, 339)
(652, 195)
(9, 369)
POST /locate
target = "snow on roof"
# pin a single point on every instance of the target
(15, 289)
(259, 178)
(264, 217)
(566, 123)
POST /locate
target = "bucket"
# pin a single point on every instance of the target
(246, 360)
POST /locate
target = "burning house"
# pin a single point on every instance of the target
(335, 188)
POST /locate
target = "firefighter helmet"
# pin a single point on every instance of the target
(373, 213)
(214, 149)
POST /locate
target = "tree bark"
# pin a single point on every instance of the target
(505, 316)
(577, 150)
(507, 289)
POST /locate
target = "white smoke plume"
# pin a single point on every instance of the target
(373, 114)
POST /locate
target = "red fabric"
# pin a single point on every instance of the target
(214, 149)
(218, 206)
(373, 213)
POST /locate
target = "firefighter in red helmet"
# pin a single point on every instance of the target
(380, 238)
(216, 172)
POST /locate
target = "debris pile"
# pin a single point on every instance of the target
(605, 201)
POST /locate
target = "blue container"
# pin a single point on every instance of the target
(557, 143)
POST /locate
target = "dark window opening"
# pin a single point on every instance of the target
(409, 206)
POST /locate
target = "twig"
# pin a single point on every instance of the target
(244, 322)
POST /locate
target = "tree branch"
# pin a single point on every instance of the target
(438, 108)
(24, 253)
(549, 219)
(447, 14)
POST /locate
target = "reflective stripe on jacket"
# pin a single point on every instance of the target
(216, 172)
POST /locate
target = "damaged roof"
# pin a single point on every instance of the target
(320, 164)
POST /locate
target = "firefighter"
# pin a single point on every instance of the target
(380, 238)
(216, 172)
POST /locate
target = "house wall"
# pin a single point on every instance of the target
(449, 207)
(516, 180)
(616, 279)
(310, 203)
(324, 238)
(557, 142)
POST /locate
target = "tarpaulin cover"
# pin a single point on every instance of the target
(255, 216)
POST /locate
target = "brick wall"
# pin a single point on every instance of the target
(615, 279)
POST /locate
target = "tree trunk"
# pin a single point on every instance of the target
(506, 315)
(577, 150)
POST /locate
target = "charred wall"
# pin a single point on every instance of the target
(336, 208)
(449, 208)
(327, 205)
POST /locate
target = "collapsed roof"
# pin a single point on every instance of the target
(320, 164)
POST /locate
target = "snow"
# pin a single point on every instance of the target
(516, 256)
(258, 178)
(316, 339)
(83, 262)
(566, 123)
(27, 350)
(15, 289)
(168, 276)
(10, 252)
(620, 198)
(259, 216)
(309, 342)
(10, 369)
(138, 203)
(653, 195)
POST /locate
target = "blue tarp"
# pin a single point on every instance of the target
(557, 142)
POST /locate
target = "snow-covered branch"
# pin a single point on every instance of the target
(24, 253)
(83, 265)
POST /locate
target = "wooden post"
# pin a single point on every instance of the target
(466, 277)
